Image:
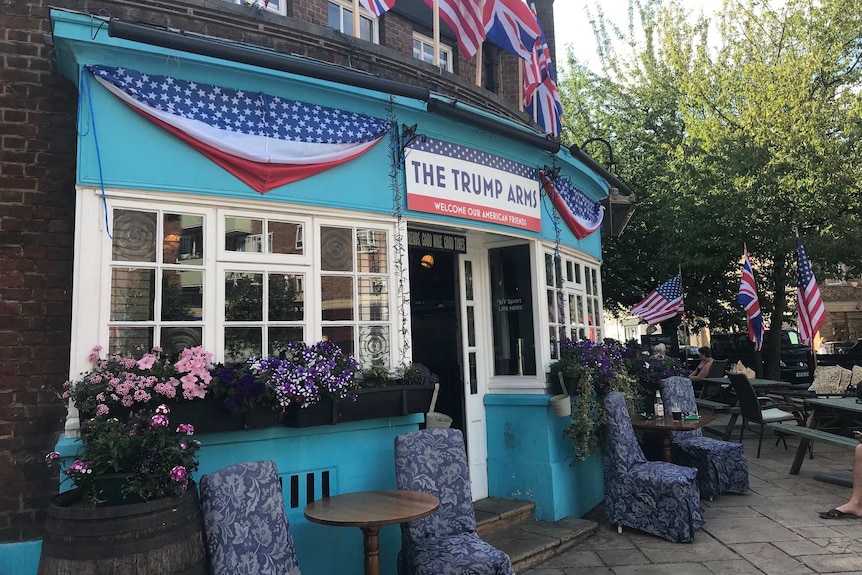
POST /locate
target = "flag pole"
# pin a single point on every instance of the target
(682, 316)
(479, 66)
(520, 85)
(436, 20)
(356, 18)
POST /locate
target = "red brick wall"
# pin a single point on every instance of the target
(37, 163)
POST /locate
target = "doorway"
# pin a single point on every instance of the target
(434, 312)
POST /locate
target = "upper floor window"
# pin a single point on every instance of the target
(341, 18)
(277, 6)
(423, 49)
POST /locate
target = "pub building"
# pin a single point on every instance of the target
(424, 225)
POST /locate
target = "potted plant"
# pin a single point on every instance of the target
(145, 457)
(308, 380)
(592, 370)
(387, 392)
(243, 393)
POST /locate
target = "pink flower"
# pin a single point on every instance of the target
(147, 361)
(94, 354)
(179, 474)
(78, 468)
(101, 410)
(163, 409)
(197, 443)
(157, 349)
(52, 457)
(183, 446)
(158, 420)
(186, 428)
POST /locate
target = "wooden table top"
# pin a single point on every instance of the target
(667, 423)
(371, 508)
(755, 382)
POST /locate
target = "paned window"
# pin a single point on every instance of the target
(244, 284)
(423, 49)
(277, 6)
(157, 280)
(341, 18)
(574, 299)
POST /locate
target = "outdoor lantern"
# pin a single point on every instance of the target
(618, 212)
(427, 261)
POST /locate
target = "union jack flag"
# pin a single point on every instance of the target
(810, 306)
(748, 298)
(540, 91)
(262, 139)
(465, 19)
(538, 65)
(511, 25)
(377, 7)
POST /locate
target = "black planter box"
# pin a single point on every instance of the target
(370, 403)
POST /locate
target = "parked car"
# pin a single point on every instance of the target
(853, 348)
(796, 363)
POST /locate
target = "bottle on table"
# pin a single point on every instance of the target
(658, 408)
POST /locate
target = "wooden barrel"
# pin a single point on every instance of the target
(154, 537)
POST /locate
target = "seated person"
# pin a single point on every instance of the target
(853, 508)
(702, 369)
(659, 351)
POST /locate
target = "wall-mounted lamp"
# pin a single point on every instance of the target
(427, 261)
(620, 203)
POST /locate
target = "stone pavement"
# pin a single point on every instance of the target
(774, 529)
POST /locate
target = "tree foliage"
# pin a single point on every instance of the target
(735, 130)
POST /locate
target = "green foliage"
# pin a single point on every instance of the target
(381, 376)
(735, 131)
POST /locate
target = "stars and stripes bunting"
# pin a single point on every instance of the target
(662, 303)
(747, 297)
(809, 305)
(582, 215)
(264, 140)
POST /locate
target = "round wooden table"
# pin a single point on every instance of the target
(370, 510)
(666, 424)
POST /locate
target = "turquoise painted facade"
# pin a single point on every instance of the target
(528, 457)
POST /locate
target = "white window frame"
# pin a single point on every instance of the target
(281, 9)
(347, 27)
(445, 48)
(579, 285)
(93, 264)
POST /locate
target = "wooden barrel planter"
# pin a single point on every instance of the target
(159, 536)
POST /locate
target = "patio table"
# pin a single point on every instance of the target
(847, 408)
(665, 425)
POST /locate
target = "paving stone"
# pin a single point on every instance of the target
(689, 553)
(816, 532)
(770, 559)
(575, 558)
(733, 567)
(800, 547)
(733, 500)
(731, 530)
(833, 563)
(716, 512)
(798, 514)
(607, 540)
(663, 569)
(849, 528)
(837, 544)
(615, 557)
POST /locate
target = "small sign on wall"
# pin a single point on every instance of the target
(453, 180)
(437, 241)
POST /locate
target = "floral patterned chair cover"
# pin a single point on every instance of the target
(247, 531)
(434, 461)
(653, 496)
(721, 465)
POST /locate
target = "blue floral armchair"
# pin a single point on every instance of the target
(246, 528)
(653, 496)
(434, 461)
(721, 465)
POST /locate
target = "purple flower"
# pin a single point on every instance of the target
(52, 457)
(186, 428)
(178, 473)
(163, 410)
(183, 446)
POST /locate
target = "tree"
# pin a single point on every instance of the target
(742, 143)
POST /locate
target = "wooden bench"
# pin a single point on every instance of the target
(714, 406)
(806, 436)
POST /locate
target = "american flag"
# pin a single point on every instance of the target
(264, 140)
(465, 19)
(662, 303)
(511, 25)
(377, 7)
(811, 310)
(581, 214)
(748, 298)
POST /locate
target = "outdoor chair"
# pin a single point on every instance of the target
(721, 465)
(761, 410)
(717, 368)
(652, 496)
(435, 461)
(246, 528)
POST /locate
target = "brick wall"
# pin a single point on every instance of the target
(37, 163)
(37, 176)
